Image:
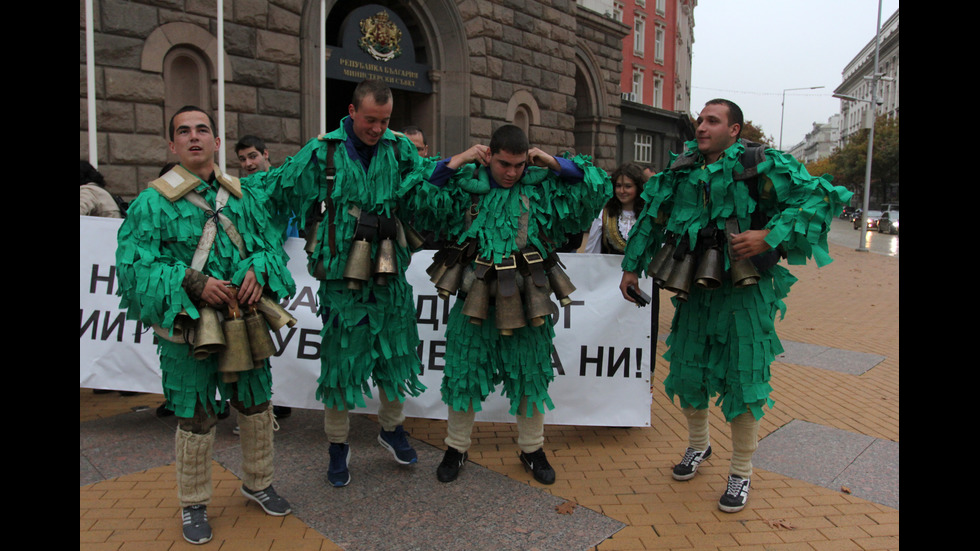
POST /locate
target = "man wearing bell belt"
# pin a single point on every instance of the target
(198, 239)
(352, 187)
(751, 209)
(506, 207)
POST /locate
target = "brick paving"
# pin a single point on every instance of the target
(623, 473)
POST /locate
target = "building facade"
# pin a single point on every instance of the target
(458, 69)
(656, 78)
(856, 81)
(819, 142)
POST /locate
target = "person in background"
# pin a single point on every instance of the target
(94, 200)
(611, 229)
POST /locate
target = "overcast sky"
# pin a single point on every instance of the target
(749, 51)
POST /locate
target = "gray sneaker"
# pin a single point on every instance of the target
(271, 502)
(196, 527)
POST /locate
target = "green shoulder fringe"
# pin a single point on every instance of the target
(157, 240)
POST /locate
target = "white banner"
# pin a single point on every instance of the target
(601, 353)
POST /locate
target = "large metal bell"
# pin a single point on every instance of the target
(509, 313)
(448, 284)
(259, 339)
(385, 262)
(208, 337)
(538, 303)
(275, 315)
(237, 355)
(358, 268)
(561, 284)
(710, 269)
(656, 267)
(477, 302)
(680, 277)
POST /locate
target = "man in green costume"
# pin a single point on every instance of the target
(199, 239)
(505, 209)
(723, 339)
(349, 186)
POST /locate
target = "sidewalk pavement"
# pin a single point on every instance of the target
(826, 473)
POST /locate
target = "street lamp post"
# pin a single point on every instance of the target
(874, 101)
(783, 111)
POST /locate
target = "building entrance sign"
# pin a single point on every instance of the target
(375, 44)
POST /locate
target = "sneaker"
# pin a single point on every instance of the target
(337, 473)
(452, 462)
(282, 412)
(164, 411)
(196, 527)
(737, 494)
(237, 430)
(688, 467)
(537, 463)
(396, 442)
(271, 502)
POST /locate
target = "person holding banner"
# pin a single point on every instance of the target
(716, 223)
(505, 208)
(350, 187)
(194, 244)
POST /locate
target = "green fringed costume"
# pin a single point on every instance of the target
(156, 243)
(370, 333)
(477, 357)
(723, 341)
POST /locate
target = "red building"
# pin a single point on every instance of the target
(649, 51)
(656, 78)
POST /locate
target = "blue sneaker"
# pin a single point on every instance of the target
(396, 442)
(337, 473)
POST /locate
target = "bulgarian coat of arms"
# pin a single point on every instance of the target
(381, 37)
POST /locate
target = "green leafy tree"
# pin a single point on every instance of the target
(848, 164)
(754, 133)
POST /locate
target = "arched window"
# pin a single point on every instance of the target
(186, 80)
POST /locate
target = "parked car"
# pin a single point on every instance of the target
(847, 213)
(873, 216)
(888, 222)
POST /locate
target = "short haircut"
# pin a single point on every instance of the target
(413, 130)
(734, 113)
(509, 138)
(250, 141)
(186, 109)
(378, 90)
(634, 172)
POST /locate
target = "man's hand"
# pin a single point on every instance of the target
(629, 278)
(250, 291)
(749, 243)
(479, 153)
(536, 157)
(217, 292)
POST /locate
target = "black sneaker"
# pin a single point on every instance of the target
(688, 467)
(271, 502)
(737, 494)
(337, 472)
(282, 412)
(396, 441)
(452, 462)
(164, 411)
(537, 463)
(196, 527)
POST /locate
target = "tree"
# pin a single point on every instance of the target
(848, 164)
(755, 133)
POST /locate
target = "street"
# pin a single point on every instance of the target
(842, 232)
